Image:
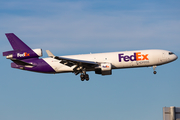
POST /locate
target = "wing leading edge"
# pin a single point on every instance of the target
(70, 62)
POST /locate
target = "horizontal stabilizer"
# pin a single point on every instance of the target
(19, 62)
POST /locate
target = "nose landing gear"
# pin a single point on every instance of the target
(154, 72)
(154, 68)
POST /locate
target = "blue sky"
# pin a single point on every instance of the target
(80, 27)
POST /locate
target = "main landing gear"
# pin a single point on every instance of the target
(83, 75)
(154, 67)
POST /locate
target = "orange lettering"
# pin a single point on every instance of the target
(145, 57)
(138, 55)
(26, 54)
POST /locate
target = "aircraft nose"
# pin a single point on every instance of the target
(176, 57)
(172, 56)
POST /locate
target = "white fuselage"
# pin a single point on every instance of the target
(122, 59)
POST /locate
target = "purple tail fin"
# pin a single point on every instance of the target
(16, 43)
(21, 50)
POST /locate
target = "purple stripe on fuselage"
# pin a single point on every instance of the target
(40, 66)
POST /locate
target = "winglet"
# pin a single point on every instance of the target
(50, 54)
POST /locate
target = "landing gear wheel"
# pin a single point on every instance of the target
(86, 77)
(154, 68)
(82, 77)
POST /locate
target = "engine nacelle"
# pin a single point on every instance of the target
(23, 54)
(104, 69)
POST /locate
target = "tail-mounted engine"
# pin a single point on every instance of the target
(104, 69)
(34, 53)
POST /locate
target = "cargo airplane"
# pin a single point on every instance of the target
(25, 58)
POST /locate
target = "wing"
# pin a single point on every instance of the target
(71, 62)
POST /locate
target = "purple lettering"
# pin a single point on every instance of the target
(120, 56)
(126, 58)
(133, 57)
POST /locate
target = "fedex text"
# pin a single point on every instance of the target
(25, 54)
(135, 57)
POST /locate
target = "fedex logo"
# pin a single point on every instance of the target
(135, 57)
(25, 54)
(105, 66)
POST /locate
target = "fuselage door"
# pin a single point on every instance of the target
(163, 58)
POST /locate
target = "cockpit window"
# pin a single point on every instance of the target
(170, 53)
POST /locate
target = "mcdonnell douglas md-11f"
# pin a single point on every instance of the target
(25, 58)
